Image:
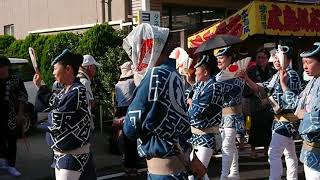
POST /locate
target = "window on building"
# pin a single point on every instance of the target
(9, 29)
(212, 16)
(180, 17)
(190, 17)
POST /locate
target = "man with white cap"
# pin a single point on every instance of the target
(87, 71)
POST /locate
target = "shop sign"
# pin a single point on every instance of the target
(151, 17)
(265, 18)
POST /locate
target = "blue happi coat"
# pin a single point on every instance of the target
(206, 110)
(157, 115)
(232, 96)
(309, 128)
(285, 128)
(68, 125)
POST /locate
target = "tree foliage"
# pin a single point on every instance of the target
(14, 49)
(98, 39)
(108, 75)
(28, 42)
(5, 42)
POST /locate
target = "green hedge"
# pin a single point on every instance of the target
(38, 47)
(107, 76)
(14, 49)
(5, 42)
(28, 42)
(98, 39)
(101, 41)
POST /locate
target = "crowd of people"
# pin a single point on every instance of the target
(175, 125)
(214, 105)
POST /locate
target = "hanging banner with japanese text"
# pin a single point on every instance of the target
(265, 18)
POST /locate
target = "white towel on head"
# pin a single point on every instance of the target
(144, 45)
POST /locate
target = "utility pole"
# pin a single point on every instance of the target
(103, 11)
(131, 15)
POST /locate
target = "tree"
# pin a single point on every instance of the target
(98, 39)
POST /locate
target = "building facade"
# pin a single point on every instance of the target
(20, 18)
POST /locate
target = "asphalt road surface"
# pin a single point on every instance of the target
(34, 159)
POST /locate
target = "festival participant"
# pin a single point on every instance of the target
(284, 125)
(205, 108)
(68, 126)
(307, 109)
(157, 116)
(232, 121)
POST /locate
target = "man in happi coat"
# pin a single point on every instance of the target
(157, 116)
(232, 122)
(308, 108)
(205, 109)
(285, 122)
(68, 126)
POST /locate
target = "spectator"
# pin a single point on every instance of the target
(87, 71)
(124, 91)
(261, 113)
(13, 97)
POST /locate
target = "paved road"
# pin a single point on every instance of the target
(34, 162)
(250, 169)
